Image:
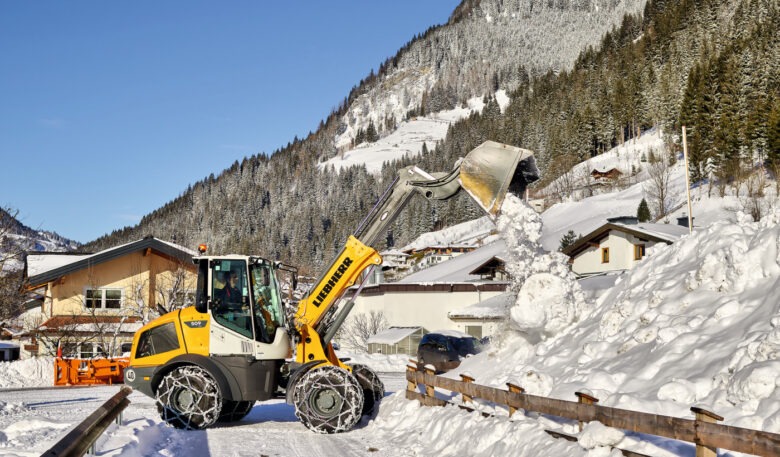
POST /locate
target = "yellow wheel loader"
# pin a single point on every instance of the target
(211, 362)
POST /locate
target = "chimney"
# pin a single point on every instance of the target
(625, 220)
(683, 220)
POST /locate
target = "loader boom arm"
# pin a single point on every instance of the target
(486, 174)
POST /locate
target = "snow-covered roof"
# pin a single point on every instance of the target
(43, 267)
(492, 308)
(469, 233)
(393, 252)
(40, 262)
(392, 335)
(667, 233)
(458, 268)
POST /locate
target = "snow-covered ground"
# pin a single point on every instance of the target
(409, 137)
(696, 323)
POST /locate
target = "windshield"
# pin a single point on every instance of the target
(268, 310)
(465, 346)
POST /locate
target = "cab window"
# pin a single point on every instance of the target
(230, 296)
(157, 340)
(268, 311)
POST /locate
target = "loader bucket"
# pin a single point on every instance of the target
(492, 169)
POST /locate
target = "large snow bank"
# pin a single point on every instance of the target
(696, 323)
(36, 372)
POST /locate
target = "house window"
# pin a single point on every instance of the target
(604, 255)
(103, 298)
(474, 330)
(639, 251)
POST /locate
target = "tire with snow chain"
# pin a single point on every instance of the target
(188, 397)
(373, 388)
(328, 399)
(233, 411)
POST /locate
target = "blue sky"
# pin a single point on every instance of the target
(108, 110)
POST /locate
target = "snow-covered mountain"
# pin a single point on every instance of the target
(16, 237)
(486, 45)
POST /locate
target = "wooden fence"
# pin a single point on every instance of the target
(703, 431)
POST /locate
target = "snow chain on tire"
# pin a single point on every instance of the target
(233, 411)
(189, 398)
(328, 399)
(373, 388)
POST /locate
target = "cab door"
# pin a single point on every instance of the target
(232, 330)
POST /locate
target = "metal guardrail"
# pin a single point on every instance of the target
(703, 431)
(81, 439)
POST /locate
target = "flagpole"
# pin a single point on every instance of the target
(687, 181)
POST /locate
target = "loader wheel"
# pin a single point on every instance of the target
(233, 411)
(189, 398)
(328, 400)
(373, 388)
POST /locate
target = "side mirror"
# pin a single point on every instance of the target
(201, 305)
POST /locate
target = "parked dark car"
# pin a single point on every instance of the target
(445, 350)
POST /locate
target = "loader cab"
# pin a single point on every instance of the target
(241, 293)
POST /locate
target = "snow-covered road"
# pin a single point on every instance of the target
(35, 419)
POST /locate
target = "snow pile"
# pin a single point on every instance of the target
(36, 372)
(549, 298)
(696, 323)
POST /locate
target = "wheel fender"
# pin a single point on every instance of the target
(227, 384)
(296, 374)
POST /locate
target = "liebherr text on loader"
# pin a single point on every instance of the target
(212, 361)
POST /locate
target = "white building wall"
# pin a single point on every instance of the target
(426, 309)
(621, 254)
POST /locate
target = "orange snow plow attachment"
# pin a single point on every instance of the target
(74, 372)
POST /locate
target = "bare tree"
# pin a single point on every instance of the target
(754, 203)
(360, 327)
(657, 187)
(566, 183)
(66, 334)
(173, 289)
(11, 257)
(584, 178)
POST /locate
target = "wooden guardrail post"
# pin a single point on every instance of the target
(468, 379)
(515, 389)
(429, 370)
(411, 368)
(585, 399)
(702, 415)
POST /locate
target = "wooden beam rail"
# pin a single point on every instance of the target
(700, 432)
(81, 439)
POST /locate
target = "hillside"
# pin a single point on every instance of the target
(285, 206)
(15, 237)
(486, 45)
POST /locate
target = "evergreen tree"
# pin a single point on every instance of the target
(568, 239)
(643, 211)
(773, 137)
